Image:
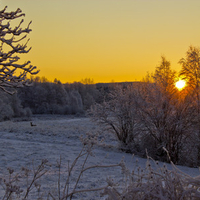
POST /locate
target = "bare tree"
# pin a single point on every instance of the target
(13, 74)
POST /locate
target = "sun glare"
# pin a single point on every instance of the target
(180, 84)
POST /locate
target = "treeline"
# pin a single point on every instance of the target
(44, 97)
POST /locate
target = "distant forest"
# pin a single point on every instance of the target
(44, 97)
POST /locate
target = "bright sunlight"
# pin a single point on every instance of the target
(180, 84)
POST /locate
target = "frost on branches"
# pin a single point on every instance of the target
(13, 74)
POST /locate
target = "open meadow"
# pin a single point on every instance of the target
(57, 139)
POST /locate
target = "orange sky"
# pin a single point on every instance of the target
(107, 40)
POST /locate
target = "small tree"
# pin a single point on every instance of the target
(13, 74)
(164, 76)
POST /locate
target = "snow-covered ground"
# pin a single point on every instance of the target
(53, 137)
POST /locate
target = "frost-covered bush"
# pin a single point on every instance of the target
(156, 182)
(118, 114)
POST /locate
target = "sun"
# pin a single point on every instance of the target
(180, 84)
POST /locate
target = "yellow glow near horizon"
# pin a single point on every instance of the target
(107, 40)
(180, 84)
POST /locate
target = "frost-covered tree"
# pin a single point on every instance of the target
(191, 72)
(191, 67)
(118, 114)
(164, 76)
(12, 73)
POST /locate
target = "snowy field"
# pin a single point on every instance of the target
(55, 137)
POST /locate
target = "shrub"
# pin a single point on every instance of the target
(156, 182)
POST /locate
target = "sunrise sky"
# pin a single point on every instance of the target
(107, 40)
